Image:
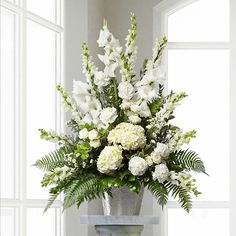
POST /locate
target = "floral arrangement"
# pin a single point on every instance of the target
(121, 132)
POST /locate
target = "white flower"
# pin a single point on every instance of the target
(126, 90)
(83, 134)
(135, 119)
(161, 173)
(93, 134)
(149, 160)
(174, 178)
(100, 79)
(109, 70)
(109, 159)
(144, 110)
(104, 37)
(95, 143)
(130, 136)
(156, 157)
(108, 115)
(137, 166)
(162, 149)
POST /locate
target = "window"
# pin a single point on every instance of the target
(31, 48)
(200, 60)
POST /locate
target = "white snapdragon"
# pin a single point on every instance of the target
(131, 137)
(161, 173)
(108, 115)
(83, 134)
(109, 159)
(137, 166)
(61, 173)
(126, 90)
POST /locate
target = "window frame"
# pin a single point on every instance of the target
(20, 203)
(161, 12)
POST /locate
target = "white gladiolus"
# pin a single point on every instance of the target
(130, 136)
(109, 159)
(104, 37)
(108, 115)
(126, 90)
(83, 134)
(161, 173)
(137, 166)
(93, 134)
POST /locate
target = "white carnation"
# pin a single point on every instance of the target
(130, 136)
(108, 115)
(161, 173)
(95, 143)
(109, 159)
(83, 134)
(126, 90)
(137, 166)
(93, 134)
(162, 149)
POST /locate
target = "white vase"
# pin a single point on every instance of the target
(122, 202)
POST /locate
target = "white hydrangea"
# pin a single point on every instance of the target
(109, 159)
(162, 149)
(161, 173)
(83, 134)
(126, 90)
(137, 166)
(93, 134)
(108, 115)
(130, 136)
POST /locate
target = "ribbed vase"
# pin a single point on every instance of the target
(122, 202)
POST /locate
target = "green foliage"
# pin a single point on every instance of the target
(81, 189)
(183, 195)
(84, 149)
(187, 160)
(156, 105)
(159, 191)
(159, 49)
(53, 159)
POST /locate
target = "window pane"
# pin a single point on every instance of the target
(43, 8)
(7, 104)
(204, 20)
(204, 222)
(40, 100)
(204, 75)
(39, 224)
(8, 223)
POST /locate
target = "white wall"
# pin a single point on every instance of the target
(83, 21)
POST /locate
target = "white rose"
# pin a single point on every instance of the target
(156, 157)
(161, 173)
(95, 143)
(93, 134)
(162, 149)
(137, 166)
(135, 119)
(108, 115)
(126, 90)
(83, 134)
(149, 160)
(109, 159)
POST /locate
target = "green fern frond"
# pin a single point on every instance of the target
(188, 160)
(183, 195)
(52, 198)
(159, 191)
(84, 188)
(53, 159)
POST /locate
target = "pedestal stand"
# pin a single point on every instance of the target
(119, 225)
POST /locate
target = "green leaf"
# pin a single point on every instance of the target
(156, 105)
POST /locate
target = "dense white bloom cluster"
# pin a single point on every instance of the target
(108, 115)
(137, 166)
(130, 136)
(161, 173)
(109, 159)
